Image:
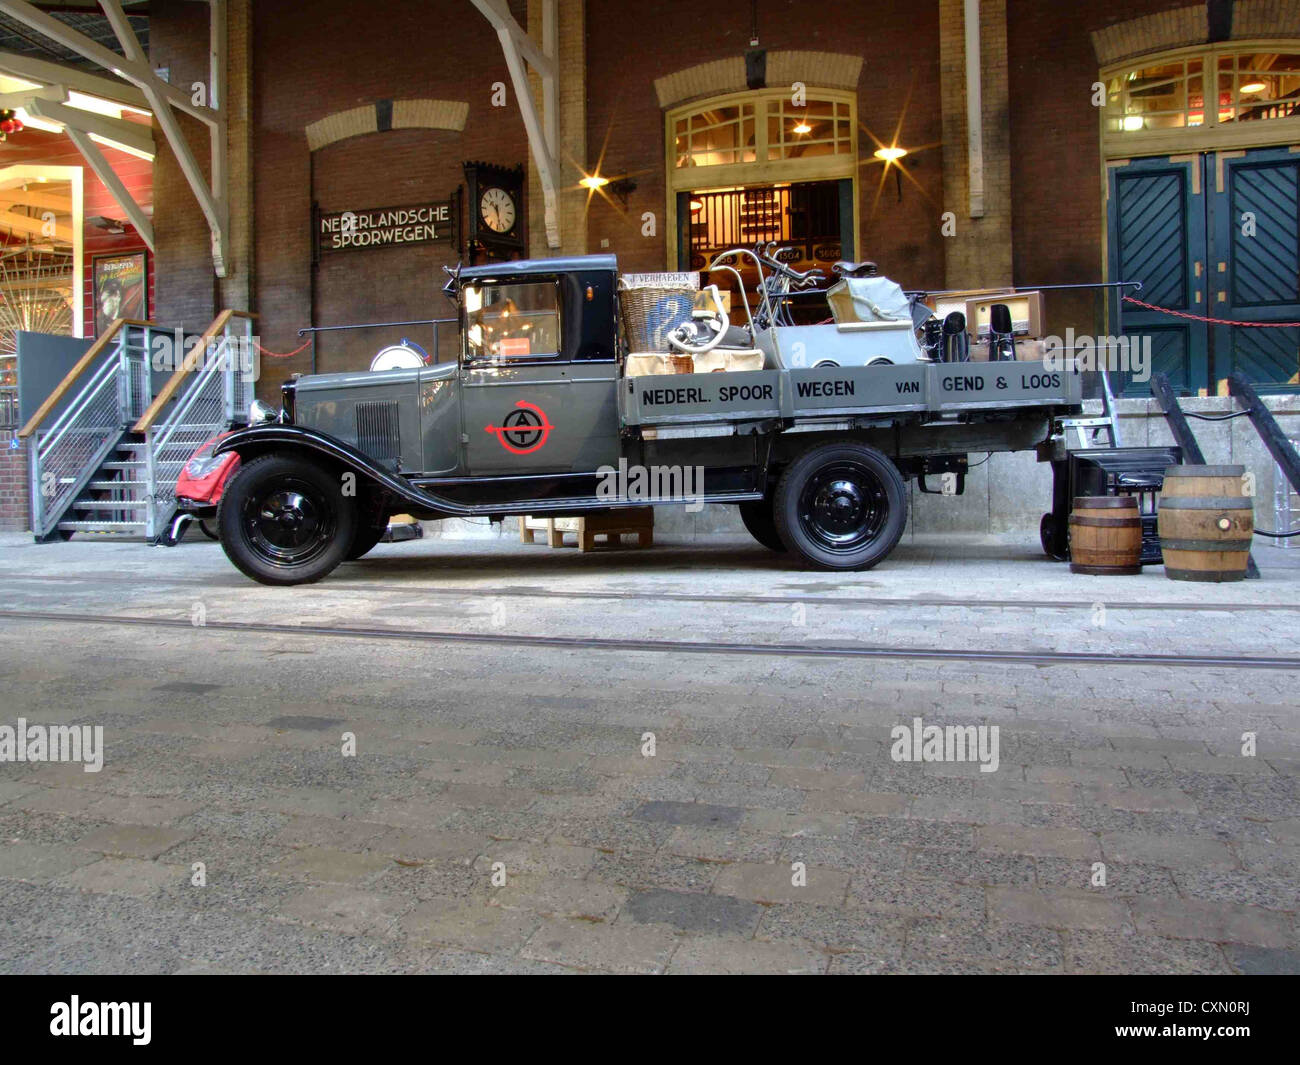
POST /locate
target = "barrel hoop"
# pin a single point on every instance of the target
(1206, 576)
(1167, 544)
(1204, 471)
(1106, 523)
(1105, 503)
(1205, 503)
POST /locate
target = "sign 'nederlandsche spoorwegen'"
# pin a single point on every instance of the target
(379, 227)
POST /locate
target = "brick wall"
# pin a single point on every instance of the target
(978, 252)
(309, 63)
(898, 89)
(1044, 204)
(1058, 213)
(15, 504)
(572, 92)
(185, 286)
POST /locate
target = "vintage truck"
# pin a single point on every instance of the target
(545, 400)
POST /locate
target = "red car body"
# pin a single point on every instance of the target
(204, 478)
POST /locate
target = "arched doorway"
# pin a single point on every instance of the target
(759, 166)
(1202, 155)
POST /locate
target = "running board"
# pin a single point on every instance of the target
(260, 438)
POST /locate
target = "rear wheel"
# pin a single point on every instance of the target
(285, 520)
(1047, 537)
(761, 524)
(841, 506)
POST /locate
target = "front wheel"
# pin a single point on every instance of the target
(285, 520)
(841, 506)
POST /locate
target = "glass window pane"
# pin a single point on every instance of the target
(512, 321)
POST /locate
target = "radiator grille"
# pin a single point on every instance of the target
(377, 431)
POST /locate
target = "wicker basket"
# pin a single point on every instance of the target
(653, 305)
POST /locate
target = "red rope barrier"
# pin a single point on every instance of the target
(282, 355)
(1212, 321)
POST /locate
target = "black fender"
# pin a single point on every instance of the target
(262, 439)
(259, 440)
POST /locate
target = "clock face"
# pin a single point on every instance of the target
(497, 209)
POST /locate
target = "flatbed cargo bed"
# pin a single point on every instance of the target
(866, 392)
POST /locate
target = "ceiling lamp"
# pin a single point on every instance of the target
(593, 181)
(890, 154)
(802, 127)
(1133, 123)
(1253, 87)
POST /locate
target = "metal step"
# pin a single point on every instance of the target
(119, 465)
(105, 486)
(101, 526)
(110, 504)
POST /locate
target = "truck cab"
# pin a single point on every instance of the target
(546, 399)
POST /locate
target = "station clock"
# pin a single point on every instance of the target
(494, 203)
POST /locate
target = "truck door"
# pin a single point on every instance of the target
(529, 406)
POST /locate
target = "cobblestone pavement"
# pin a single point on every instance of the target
(518, 760)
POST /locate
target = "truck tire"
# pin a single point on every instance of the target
(841, 506)
(761, 524)
(285, 520)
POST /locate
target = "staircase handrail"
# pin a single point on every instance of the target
(70, 378)
(190, 362)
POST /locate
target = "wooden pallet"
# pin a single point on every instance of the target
(634, 521)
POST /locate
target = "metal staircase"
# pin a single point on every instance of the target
(109, 462)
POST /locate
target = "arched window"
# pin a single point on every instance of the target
(762, 127)
(762, 165)
(1231, 95)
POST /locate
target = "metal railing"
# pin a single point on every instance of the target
(435, 354)
(65, 456)
(218, 393)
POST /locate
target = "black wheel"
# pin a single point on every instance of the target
(365, 540)
(209, 529)
(285, 520)
(1047, 537)
(761, 525)
(841, 506)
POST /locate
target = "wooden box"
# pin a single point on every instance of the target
(638, 521)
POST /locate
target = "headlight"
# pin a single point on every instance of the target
(201, 465)
(259, 412)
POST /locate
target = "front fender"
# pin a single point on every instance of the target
(259, 440)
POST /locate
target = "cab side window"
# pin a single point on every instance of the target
(504, 322)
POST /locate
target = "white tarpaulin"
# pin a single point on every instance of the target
(878, 299)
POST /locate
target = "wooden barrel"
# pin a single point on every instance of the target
(1205, 522)
(1105, 535)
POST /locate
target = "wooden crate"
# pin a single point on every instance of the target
(638, 521)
